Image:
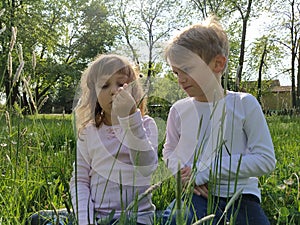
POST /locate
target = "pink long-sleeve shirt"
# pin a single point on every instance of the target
(114, 165)
(229, 137)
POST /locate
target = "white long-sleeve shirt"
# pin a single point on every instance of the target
(218, 135)
(114, 164)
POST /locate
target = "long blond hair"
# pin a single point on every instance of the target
(88, 108)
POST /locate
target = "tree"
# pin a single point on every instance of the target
(298, 75)
(209, 7)
(289, 12)
(264, 57)
(8, 41)
(62, 36)
(260, 71)
(123, 16)
(145, 25)
(245, 15)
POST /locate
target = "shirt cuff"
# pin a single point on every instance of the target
(131, 120)
(202, 177)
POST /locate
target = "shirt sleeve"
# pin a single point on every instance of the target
(259, 158)
(141, 137)
(172, 138)
(80, 184)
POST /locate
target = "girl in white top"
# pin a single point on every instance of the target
(219, 138)
(116, 146)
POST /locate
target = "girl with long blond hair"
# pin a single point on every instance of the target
(116, 146)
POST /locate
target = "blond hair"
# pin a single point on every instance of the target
(207, 40)
(88, 108)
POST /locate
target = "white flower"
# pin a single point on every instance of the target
(3, 145)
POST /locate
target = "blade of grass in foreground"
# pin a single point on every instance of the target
(204, 219)
(230, 203)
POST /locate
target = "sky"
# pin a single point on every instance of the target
(255, 30)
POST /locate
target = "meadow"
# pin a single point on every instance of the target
(37, 155)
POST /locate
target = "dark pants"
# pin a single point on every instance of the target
(50, 217)
(247, 209)
(61, 217)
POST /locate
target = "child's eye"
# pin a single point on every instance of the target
(104, 86)
(186, 69)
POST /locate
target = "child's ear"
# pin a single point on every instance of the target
(219, 63)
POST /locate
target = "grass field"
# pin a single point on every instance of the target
(37, 154)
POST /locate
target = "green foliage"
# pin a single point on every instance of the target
(280, 190)
(97, 34)
(55, 40)
(37, 153)
(35, 164)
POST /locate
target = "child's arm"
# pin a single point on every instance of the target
(260, 156)
(258, 159)
(141, 138)
(84, 204)
(141, 135)
(172, 158)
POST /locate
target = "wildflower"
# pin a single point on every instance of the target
(18, 72)
(288, 181)
(281, 186)
(24, 131)
(3, 145)
(2, 29)
(33, 60)
(13, 38)
(2, 12)
(9, 65)
(43, 102)
(20, 54)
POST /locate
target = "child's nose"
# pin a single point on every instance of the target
(182, 78)
(114, 90)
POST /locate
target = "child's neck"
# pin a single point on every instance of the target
(109, 120)
(213, 96)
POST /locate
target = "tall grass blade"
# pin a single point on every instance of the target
(204, 219)
(230, 203)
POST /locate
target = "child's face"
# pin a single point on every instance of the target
(107, 88)
(188, 84)
(198, 79)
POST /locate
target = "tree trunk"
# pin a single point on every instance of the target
(298, 77)
(293, 52)
(242, 48)
(262, 62)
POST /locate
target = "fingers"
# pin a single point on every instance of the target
(198, 189)
(185, 175)
(123, 93)
(123, 102)
(185, 171)
(201, 190)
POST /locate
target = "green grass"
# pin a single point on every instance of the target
(37, 153)
(35, 164)
(280, 190)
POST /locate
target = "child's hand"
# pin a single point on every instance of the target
(185, 173)
(185, 179)
(123, 102)
(201, 190)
